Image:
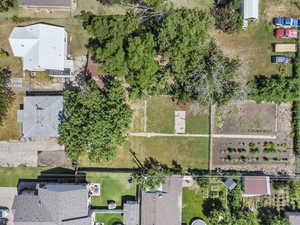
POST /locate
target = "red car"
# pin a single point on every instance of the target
(286, 33)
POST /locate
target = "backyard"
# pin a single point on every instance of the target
(109, 218)
(113, 186)
(195, 199)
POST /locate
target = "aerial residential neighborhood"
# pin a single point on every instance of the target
(149, 112)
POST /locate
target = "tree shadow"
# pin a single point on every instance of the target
(211, 204)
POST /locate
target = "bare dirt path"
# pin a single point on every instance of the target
(144, 134)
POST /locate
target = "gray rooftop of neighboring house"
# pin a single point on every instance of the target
(45, 3)
(293, 217)
(54, 204)
(165, 209)
(40, 116)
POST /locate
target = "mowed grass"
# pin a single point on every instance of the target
(9, 176)
(189, 152)
(109, 218)
(10, 129)
(161, 116)
(192, 205)
(192, 4)
(114, 186)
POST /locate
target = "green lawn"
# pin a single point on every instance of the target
(161, 116)
(189, 152)
(192, 201)
(98, 8)
(197, 124)
(114, 186)
(10, 128)
(9, 176)
(109, 218)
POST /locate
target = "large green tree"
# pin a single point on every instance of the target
(211, 81)
(124, 47)
(6, 94)
(184, 38)
(95, 121)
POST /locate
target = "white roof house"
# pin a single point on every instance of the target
(250, 11)
(41, 47)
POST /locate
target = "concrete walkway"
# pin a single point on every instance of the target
(241, 136)
(17, 153)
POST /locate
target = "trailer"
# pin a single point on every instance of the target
(285, 47)
(286, 33)
(287, 22)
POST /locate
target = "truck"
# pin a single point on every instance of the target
(286, 33)
(285, 47)
(278, 59)
(287, 22)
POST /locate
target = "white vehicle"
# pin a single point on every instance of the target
(4, 211)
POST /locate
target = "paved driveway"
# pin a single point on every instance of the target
(24, 153)
(7, 195)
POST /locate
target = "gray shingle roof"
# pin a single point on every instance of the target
(45, 3)
(55, 204)
(41, 116)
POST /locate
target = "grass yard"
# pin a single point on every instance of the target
(189, 152)
(9, 176)
(98, 8)
(192, 4)
(114, 186)
(138, 120)
(10, 129)
(109, 218)
(161, 116)
(192, 202)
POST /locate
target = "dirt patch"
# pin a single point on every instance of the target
(246, 118)
(269, 155)
(51, 158)
(274, 9)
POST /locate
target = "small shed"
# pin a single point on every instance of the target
(250, 9)
(230, 184)
(293, 217)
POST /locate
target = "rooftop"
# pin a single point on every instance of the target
(163, 209)
(41, 46)
(40, 116)
(256, 185)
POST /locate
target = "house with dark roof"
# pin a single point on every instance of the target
(41, 116)
(293, 217)
(163, 207)
(53, 204)
(255, 186)
(62, 5)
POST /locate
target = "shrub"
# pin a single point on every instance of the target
(17, 19)
(227, 17)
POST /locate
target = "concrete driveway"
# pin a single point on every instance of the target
(7, 195)
(25, 153)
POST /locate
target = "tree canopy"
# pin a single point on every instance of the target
(6, 94)
(171, 55)
(95, 120)
(275, 89)
(5, 5)
(211, 81)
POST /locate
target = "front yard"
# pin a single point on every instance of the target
(109, 218)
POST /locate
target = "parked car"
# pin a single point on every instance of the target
(285, 47)
(4, 211)
(286, 22)
(286, 33)
(3, 221)
(277, 59)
